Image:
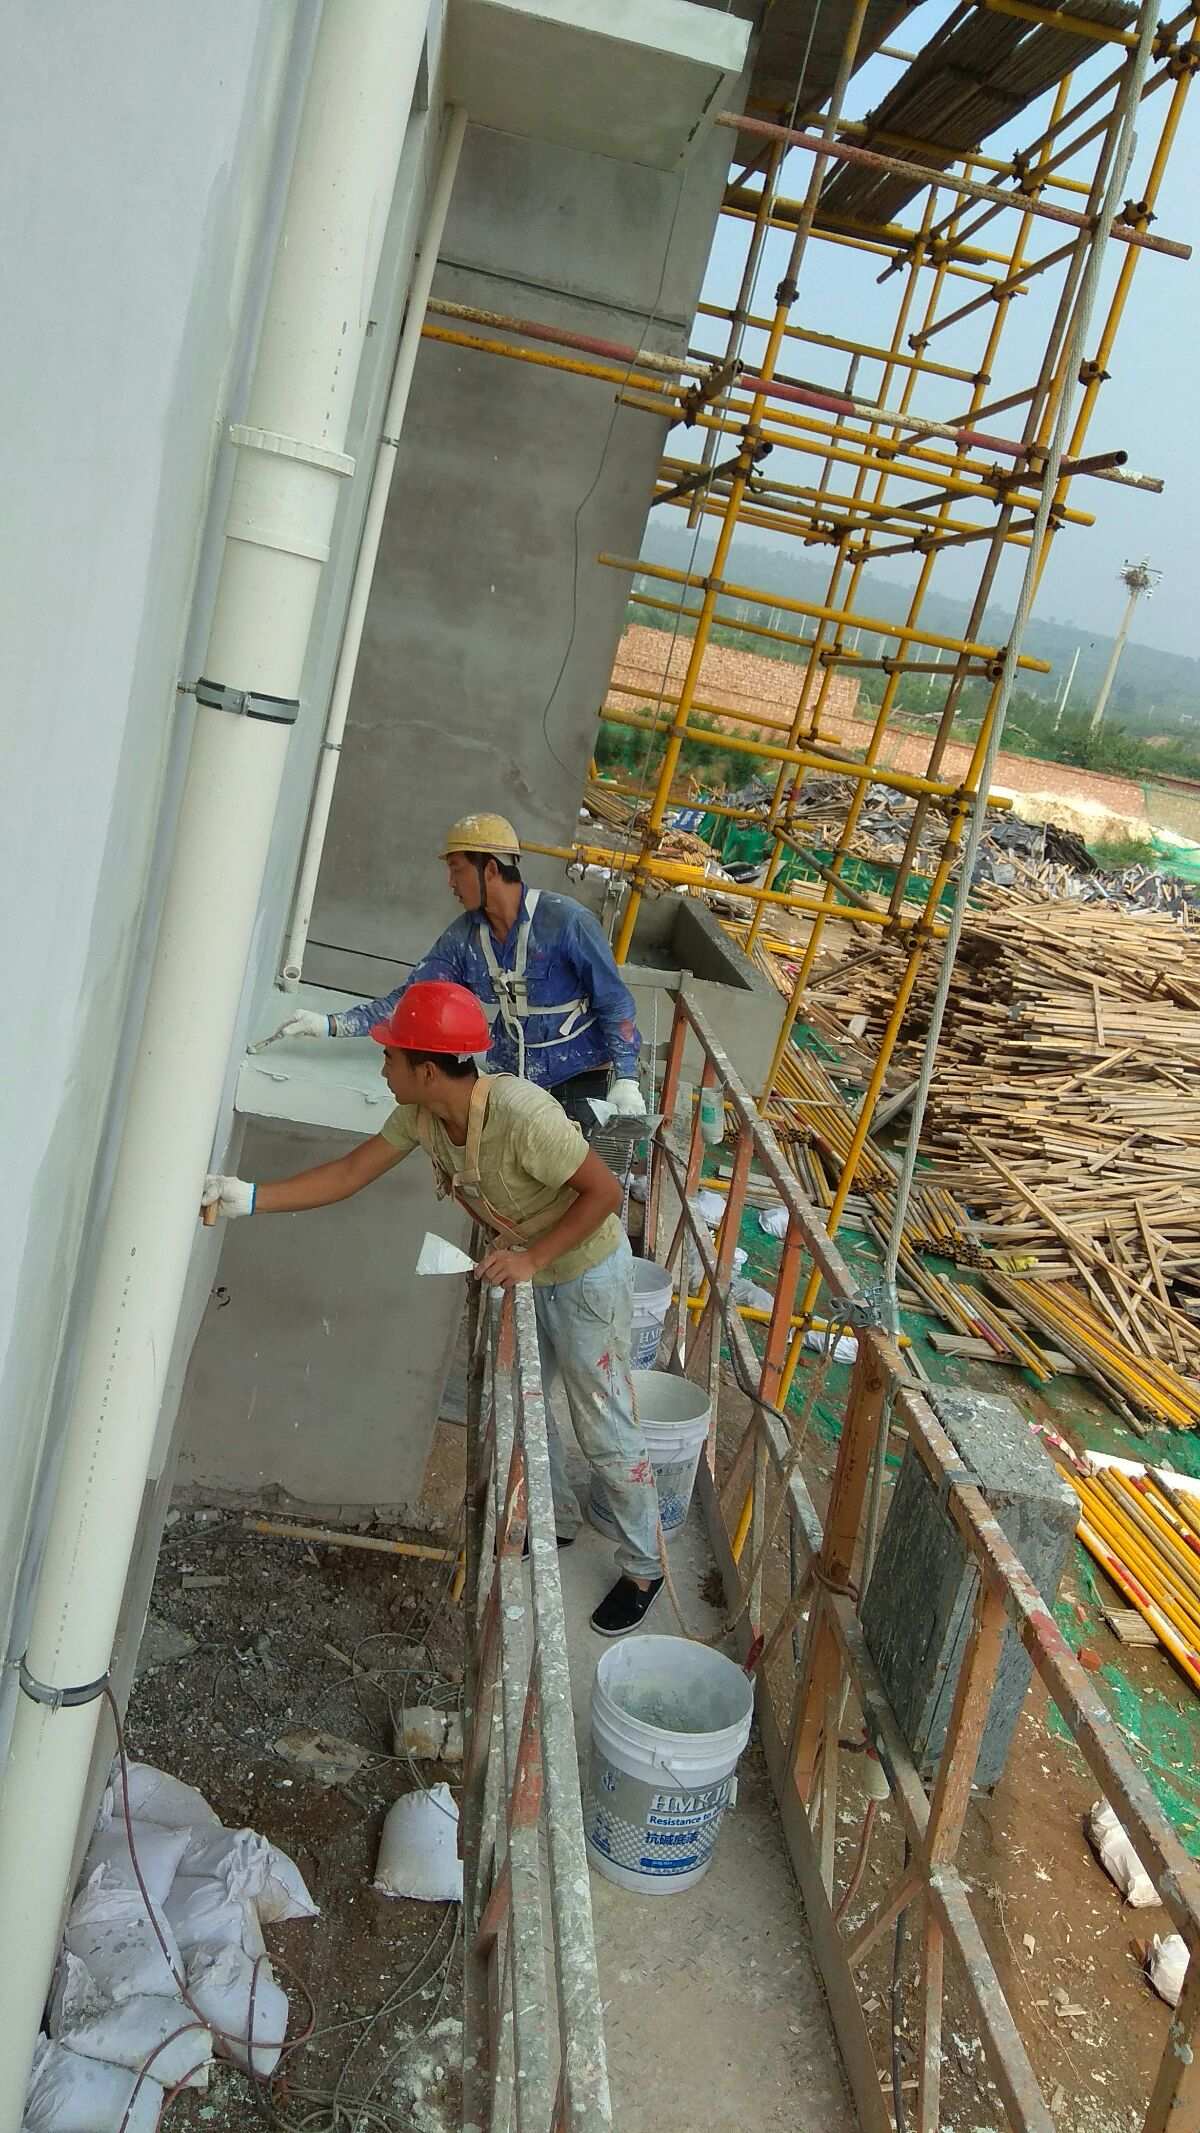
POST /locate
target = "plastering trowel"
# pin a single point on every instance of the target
(439, 1257)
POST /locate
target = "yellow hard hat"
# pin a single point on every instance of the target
(482, 833)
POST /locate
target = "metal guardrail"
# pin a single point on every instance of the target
(527, 1899)
(801, 1730)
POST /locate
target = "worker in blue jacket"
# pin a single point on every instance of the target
(561, 1015)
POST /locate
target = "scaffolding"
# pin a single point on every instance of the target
(794, 1579)
(534, 2053)
(907, 192)
(904, 423)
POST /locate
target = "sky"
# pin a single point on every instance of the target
(1145, 409)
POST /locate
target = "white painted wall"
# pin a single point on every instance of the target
(141, 149)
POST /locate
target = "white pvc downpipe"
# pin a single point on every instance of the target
(368, 552)
(290, 465)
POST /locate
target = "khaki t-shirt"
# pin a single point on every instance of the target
(527, 1151)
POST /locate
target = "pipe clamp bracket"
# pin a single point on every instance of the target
(60, 1699)
(245, 703)
(314, 455)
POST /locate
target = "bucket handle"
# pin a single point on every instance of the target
(685, 1784)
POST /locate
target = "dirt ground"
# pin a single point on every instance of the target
(297, 1636)
(333, 1639)
(1068, 1952)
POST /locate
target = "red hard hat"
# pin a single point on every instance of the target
(436, 1017)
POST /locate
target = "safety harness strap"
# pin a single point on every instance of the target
(512, 998)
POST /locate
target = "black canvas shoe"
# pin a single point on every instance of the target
(624, 1607)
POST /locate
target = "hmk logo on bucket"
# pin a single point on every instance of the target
(692, 1804)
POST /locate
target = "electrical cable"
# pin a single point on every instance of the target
(798, 1438)
(860, 1864)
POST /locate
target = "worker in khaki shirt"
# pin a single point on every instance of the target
(511, 1157)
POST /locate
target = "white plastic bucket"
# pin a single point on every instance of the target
(669, 1721)
(674, 1416)
(652, 1287)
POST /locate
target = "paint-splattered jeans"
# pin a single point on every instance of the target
(584, 1333)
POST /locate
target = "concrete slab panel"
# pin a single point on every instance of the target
(313, 1081)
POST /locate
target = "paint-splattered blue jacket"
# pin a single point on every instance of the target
(568, 958)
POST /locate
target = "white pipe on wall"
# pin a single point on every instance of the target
(368, 552)
(291, 461)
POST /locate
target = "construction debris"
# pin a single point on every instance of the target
(1167, 1966)
(430, 1735)
(327, 1759)
(1118, 1858)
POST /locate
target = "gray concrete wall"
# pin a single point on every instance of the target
(468, 627)
(492, 627)
(313, 1380)
(141, 153)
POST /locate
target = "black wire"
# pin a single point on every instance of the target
(402, 962)
(897, 2009)
(594, 484)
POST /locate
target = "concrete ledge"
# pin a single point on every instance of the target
(630, 79)
(311, 1081)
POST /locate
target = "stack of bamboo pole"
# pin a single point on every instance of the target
(1065, 1115)
(1145, 1536)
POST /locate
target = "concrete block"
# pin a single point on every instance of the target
(918, 1607)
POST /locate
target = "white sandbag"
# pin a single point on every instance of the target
(845, 1347)
(773, 1221)
(154, 1796)
(239, 1858)
(159, 1852)
(203, 1912)
(108, 1929)
(751, 1295)
(1167, 1966)
(128, 2035)
(418, 1852)
(68, 2094)
(221, 1981)
(739, 1258)
(253, 1868)
(285, 1892)
(1118, 1858)
(710, 1206)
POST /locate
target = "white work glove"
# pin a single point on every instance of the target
(230, 1197)
(304, 1023)
(627, 1100)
